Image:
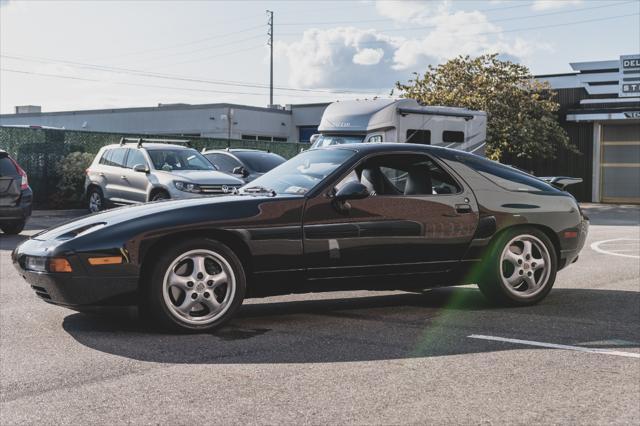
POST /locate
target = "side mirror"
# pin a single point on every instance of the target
(141, 168)
(352, 191)
(240, 171)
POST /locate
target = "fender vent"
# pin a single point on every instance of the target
(41, 292)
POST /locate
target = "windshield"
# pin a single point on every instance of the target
(302, 173)
(260, 162)
(179, 159)
(328, 140)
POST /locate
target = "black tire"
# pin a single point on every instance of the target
(13, 228)
(95, 200)
(160, 195)
(491, 281)
(154, 303)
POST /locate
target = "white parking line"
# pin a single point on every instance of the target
(556, 346)
(596, 247)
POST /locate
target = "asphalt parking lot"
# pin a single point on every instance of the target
(444, 356)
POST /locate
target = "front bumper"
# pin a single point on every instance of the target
(80, 288)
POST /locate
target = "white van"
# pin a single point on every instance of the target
(402, 120)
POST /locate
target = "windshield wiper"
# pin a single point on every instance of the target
(259, 190)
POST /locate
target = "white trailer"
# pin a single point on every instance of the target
(402, 120)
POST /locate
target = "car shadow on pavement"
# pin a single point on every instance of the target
(400, 326)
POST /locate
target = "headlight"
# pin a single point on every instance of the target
(187, 186)
(47, 264)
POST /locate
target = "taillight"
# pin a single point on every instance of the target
(24, 183)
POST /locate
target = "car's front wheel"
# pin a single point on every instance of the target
(196, 286)
(521, 269)
(13, 228)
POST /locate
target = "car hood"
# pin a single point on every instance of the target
(154, 213)
(212, 177)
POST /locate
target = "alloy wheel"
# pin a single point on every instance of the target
(95, 202)
(525, 266)
(199, 287)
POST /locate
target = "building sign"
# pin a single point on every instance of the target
(632, 114)
(629, 83)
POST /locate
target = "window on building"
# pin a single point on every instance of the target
(419, 136)
(451, 136)
(249, 137)
(264, 138)
(375, 138)
(277, 139)
(305, 132)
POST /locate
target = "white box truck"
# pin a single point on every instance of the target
(402, 120)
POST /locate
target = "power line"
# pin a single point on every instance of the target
(389, 19)
(188, 89)
(141, 73)
(188, 43)
(502, 31)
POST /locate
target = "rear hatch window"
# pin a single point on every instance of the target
(7, 173)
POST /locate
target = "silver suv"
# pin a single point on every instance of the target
(151, 170)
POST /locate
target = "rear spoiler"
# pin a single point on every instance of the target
(561, 182)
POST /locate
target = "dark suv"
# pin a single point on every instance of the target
(15, 195)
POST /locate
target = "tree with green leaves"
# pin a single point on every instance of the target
(521, 111)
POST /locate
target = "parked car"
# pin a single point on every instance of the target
(141, 170)
(365, 216)
(247, 164)
(16, 196)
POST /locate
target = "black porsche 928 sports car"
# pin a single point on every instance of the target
(366, 216)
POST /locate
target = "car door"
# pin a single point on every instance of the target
(418, 220)
(135, 185)
(113, 174)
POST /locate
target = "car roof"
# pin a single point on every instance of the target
(232, 150)
(151, 145)
(369, 147)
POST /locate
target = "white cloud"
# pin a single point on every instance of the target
(349, 57)
(343, 57)
(368, 56)
(553, 4)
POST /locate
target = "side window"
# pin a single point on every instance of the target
(419, 136)
(117, 157)
(223, 162)
(106, 156)
(134, 158)
(451, 136)
(406, 175)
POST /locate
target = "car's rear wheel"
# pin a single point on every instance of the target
(95, 200)
(13, 228)
(196, 286)
(521, 269)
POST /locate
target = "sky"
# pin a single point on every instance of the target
(73, 55)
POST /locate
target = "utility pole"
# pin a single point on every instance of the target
(270, 43)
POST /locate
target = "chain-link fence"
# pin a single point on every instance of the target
(41, 151)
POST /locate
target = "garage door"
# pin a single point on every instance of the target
(620, 163)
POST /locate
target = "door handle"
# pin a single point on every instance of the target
(463, 208)
(123, 177)
(101, 174)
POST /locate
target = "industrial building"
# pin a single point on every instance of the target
(600, 110)
(292, 123)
